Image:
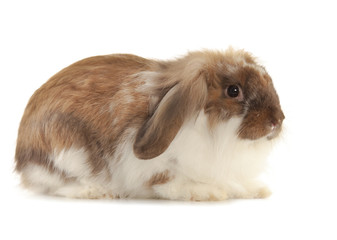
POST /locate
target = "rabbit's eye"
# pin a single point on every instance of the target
(233, 91)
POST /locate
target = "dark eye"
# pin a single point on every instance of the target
(233, 91)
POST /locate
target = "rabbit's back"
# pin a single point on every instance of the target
(82, 113)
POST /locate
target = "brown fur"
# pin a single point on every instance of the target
(159, 178)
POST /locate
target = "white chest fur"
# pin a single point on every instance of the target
(218, 156)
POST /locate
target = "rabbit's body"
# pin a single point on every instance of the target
(124, 126)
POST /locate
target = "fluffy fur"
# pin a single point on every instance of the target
(121, 126)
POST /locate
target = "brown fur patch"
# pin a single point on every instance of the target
(159, 178)
(31, 155)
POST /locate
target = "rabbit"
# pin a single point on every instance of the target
(197, 128)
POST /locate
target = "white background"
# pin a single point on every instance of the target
(295, 40)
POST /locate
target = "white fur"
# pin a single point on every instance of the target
(147, 81)
(123, 96)
(258, 68)
(73, 162)
(240, 62)
(148, 86)
(202, 165)
(37, 178)
(218, 159)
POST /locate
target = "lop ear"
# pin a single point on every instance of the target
(181, 102)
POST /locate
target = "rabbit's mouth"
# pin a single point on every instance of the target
(275, 131)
